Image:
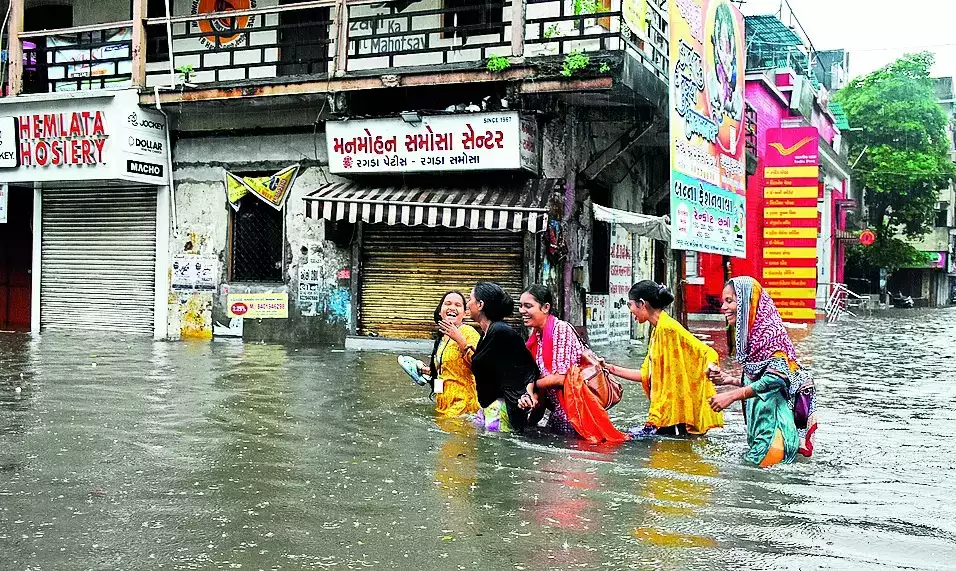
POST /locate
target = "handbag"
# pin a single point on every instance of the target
(608, 391)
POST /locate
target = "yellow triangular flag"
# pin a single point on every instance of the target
(274, 190)
(235, 189)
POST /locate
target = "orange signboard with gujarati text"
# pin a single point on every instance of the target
(791, 220)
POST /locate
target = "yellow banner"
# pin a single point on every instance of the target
(792, 172)
(791, 212)
(273, 190)
(789, 233)
(790, 253)
(792, 292)
(235, 189)
(791, 192)
(789, 273)
(802, 313)
(635, 15)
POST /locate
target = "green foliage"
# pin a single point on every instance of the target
(906, 160)
(574, 62)
(187, 71)
(552, 31)
(605, 68)
(584, 7)
(498, 63)
(887, 252)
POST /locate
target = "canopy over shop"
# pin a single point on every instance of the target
(415, 243)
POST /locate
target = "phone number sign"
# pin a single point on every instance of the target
(258, 305)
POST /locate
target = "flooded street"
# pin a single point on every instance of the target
(133, 454)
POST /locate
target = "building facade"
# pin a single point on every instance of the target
(329, 169)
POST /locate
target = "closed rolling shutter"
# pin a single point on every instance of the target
(405, 271)
(98, 259)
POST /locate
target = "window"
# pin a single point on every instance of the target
(942, 216)
(257, 242)
(691, 262)
(157, 44)
(600, 271)
(303, 40)
(473, 17)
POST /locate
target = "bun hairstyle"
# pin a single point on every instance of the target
(542, 295)
(657, 295)
(498, 305)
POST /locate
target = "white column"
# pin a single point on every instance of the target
(37, 267)
(160, 309)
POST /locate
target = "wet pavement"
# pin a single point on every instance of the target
(129, 454)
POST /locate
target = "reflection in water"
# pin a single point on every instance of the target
(677, 492)
(128, 454)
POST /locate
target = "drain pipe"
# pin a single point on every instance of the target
(169, 163)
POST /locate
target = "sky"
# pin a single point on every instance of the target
(875, 32)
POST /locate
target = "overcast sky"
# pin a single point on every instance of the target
(874, 32)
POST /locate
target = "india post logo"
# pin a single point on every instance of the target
(227, 31)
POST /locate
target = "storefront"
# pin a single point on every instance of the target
(419, 235)
(87, 172)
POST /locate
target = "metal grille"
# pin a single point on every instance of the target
(98, 259)
(257, 239)
(405, 271)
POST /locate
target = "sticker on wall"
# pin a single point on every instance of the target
(258, 305)
(223, 32)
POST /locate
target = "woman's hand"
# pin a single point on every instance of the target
(721, 401)
(528, 401)
(452, 332)
(607, 366)
(719, 377)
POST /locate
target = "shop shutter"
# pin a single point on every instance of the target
(98, 259)
(405, 271)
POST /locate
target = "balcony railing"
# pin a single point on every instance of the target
(95, 57)
(326, 38)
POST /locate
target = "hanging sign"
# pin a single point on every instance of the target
(708, 184)
(867, 237)
(273, 190)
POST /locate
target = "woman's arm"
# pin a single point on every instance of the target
(721, 401)
(625, 373)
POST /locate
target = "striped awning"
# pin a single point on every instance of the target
(513, 208)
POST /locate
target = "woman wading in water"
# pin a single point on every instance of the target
(674, 373)
(778, 394)
(452, 381)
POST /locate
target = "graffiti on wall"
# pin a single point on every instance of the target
(324, 292)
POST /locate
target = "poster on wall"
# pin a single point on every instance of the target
(708, 175)
(791, 220)
(622, 278)
(194, 273)
(4, 190)
(596, 308)
(258, 305)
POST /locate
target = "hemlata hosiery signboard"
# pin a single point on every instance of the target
(708, 174)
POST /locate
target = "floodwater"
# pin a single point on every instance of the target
(128, 454)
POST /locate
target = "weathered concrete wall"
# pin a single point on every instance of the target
(318, 266)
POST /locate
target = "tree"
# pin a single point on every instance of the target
(904, 154)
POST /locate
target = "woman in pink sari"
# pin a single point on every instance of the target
(557, 350)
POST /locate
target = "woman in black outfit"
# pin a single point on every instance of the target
(502, 365)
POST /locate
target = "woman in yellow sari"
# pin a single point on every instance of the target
(674, 373)
(452, 381)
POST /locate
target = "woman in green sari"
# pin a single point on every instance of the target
(777, 393)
